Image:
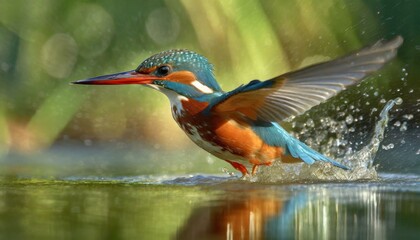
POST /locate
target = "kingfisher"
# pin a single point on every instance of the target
(242, 126)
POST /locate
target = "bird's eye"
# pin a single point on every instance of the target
(163, 70)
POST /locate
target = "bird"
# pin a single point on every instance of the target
(242, 126)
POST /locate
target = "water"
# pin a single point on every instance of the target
(208, 207)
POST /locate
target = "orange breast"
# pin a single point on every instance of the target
(238, 138)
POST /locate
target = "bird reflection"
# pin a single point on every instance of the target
(323, 214)
(253, 216)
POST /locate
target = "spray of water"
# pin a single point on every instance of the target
(361, 161)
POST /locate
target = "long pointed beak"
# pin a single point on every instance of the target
(130, 77)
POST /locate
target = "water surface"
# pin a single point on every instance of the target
(208, 207)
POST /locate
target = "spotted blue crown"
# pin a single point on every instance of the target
(182, 59)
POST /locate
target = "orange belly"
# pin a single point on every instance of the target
(241, 140)
(231, 140)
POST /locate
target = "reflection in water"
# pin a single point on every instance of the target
(314, 212)
(132, 208)
(232, 218)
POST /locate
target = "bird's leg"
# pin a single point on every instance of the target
(254, 169)
(239, 167)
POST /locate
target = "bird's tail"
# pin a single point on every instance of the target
(298, 149)
(273, 134)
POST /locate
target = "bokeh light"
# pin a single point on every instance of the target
(59, 55)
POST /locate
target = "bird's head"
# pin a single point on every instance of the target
(181, 71)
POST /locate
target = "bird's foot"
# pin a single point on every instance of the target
(240, 168)
(254, 169)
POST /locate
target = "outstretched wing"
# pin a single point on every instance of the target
(296, 92)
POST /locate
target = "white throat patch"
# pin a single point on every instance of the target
(175, 100)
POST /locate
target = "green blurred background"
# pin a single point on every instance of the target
(46, 44)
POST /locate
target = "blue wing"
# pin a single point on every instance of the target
(294, 93)
(290, 94)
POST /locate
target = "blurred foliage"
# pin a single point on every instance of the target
(48, 43)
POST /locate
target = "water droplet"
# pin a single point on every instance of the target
(408, 116)
(382, 101)
(397, 123)
(398, 100)
(225, 170)
(388, 147)
(310, 123)
(418, 152)
(403, 127)
(349, 119)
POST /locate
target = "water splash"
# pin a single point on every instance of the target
(361, 162)
(364, 158)
(183, 180)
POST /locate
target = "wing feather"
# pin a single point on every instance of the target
(296, 92)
